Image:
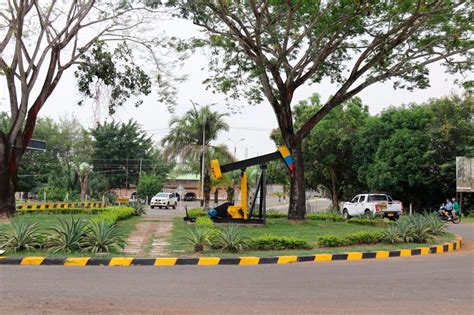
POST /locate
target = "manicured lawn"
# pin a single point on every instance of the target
(309, 230)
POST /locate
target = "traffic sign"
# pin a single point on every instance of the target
(180, 190)
(36, 145)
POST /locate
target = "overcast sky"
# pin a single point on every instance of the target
(253, 124)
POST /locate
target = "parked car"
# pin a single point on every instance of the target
(371, 204)
(190, 196)
(164, 200)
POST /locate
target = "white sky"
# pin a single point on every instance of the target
(254, 123)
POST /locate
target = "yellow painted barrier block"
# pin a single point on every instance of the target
(450, 247)
(354, 256)
(76, 261)
(459, 243)
(405, 252)
(287, 259)
(32, 261)
(43, 206)
(165, 261)
(424, 250)
(439, 249)
(323, 257)
(120, 261)
(382, 254)
(208, 261)
(249, 260)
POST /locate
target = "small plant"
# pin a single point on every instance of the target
(102, 237)
(422, 230)
(331, 241)
(272, 242)
(231, 239)
(405, 229)
(138, 209)
(20, 236)
(198, 237)
(392, 235)
(196, 212)
(438, 226)
(67, 236)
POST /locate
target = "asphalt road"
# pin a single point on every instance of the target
(439, 284)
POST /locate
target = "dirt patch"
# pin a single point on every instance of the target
(467, 246)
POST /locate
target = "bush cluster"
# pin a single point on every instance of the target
(363, 237)
(274, 214)
(326, 216)
(365, 221)
(419, 228)
(228, 238)
(63, 211)
(115, 214)
(272, 242)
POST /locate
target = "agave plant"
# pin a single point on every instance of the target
(437, 225)
(102, 237)
(422, 230)
(198, 237)
(230, 238)
(67, 236)
(392, 235)
(20, 236)
(138, 207)
(404, 226)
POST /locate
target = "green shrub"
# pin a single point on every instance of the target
(197, 212)
(331, 241)
(138, 208)
(102, 237)
(437, 225)
(20, 236)
(63, 211)
(364, 237)
(198, 237)
(115, 214)
(204, 222)
(231, 239)
(365, 221)
(66, 236)
(326, 216)
(392, 235)
(272, 242)
(274, 214)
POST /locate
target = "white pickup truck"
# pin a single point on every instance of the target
(371, 204)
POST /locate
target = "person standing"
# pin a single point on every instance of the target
(456, 207)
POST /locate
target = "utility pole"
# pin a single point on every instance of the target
(203, 156)
(140, 172)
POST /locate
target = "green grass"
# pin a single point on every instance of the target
(467, 219)
(47, 220)
(309, 230)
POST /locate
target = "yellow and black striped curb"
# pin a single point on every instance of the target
(212, 261)
(45, 206)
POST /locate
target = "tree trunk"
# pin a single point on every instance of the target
(216, 195)
(207, 190)
(297, 209)
(334, 192)
(8, 177)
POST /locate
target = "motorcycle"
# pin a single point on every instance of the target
(454, 219)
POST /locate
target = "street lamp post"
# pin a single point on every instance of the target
(235, 145)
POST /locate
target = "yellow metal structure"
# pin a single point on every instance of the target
(216, 169)
(241, 211)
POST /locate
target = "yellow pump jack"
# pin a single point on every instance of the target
(242, 213)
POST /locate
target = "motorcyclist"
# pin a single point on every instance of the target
(456, 209)
(448, 209)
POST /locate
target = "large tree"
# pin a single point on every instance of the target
(39, 41)
(273, 47)
(121, 152)
(192, 137)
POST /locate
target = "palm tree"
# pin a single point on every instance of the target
(185, 141)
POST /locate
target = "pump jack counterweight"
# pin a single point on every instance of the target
(241, 213)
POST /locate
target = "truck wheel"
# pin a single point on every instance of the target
(368, 213)
(174, 207)
(345, 214)
(153, 207)
(168, 205)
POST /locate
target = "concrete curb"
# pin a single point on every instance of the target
(213, 261)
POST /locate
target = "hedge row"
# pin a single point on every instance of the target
(115, 214)
(364, 237)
